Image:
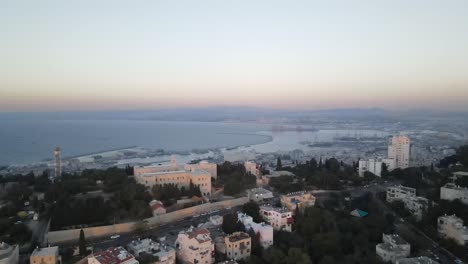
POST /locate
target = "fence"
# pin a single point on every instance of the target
(99, 231)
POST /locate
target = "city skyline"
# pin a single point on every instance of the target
(269, 54)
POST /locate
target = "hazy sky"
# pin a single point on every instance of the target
(92, 55)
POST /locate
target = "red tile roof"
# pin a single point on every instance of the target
(113, 255)
(157, 206)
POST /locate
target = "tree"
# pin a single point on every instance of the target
(255, 238)
(384, 172)
(313, 164)
(278, 164)
(296, 255)
(333, 165)
(462, 153)
(229, 223)
(253, 210)
(82, 243)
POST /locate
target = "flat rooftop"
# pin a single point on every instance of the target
(48, 251)
(238, 236)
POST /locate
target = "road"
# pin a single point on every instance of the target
(169, 231)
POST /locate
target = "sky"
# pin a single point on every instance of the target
(134, 55)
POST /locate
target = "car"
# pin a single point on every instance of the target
(115, 236)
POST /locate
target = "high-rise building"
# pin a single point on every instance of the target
(58, 165)
(399, 150)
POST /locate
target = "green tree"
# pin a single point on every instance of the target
(229, 223)
(297, 256)
(313, 164)
(279, 166)
(462, 153)
(82, 243)
(253, 210)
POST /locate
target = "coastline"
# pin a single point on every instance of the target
(115, 154)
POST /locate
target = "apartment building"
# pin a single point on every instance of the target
(195, 246)
(265, 231)
(451, 191)
(450, 226)
(399, 193)
(375, 166)
(392, 248)
(238, 246)
(252, 168)
(113, 255)
(399, 150)
(48, 255)
(295, 200)
(164, 253)
(278, 218)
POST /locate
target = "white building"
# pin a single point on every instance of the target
(417, 260)
(265, 231)
(417, 205)
(9, 254)
(399, 193)
(47, 255)
(238, 246)
(252, 168)
(278, 218)
(375, 166)
(399, 150)
(259, 194)
(299, 200)
(165, 254)
(113, 255)
(451, 192)
(450, 226)
(195, 246)
(393, 248)
(179, 175)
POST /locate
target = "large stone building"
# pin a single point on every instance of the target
(195, 246)
(299, 200)
(393, 248)
(113, 255)
(164, 253)
(399, 150)
(450, 226)
(9, 254)
(180, 175)
(48, 255)
(278, 218)
(451, 191)
(265, 231)
(238, 246)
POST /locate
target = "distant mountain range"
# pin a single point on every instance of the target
(212, 114)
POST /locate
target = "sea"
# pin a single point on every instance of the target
(25, 141)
